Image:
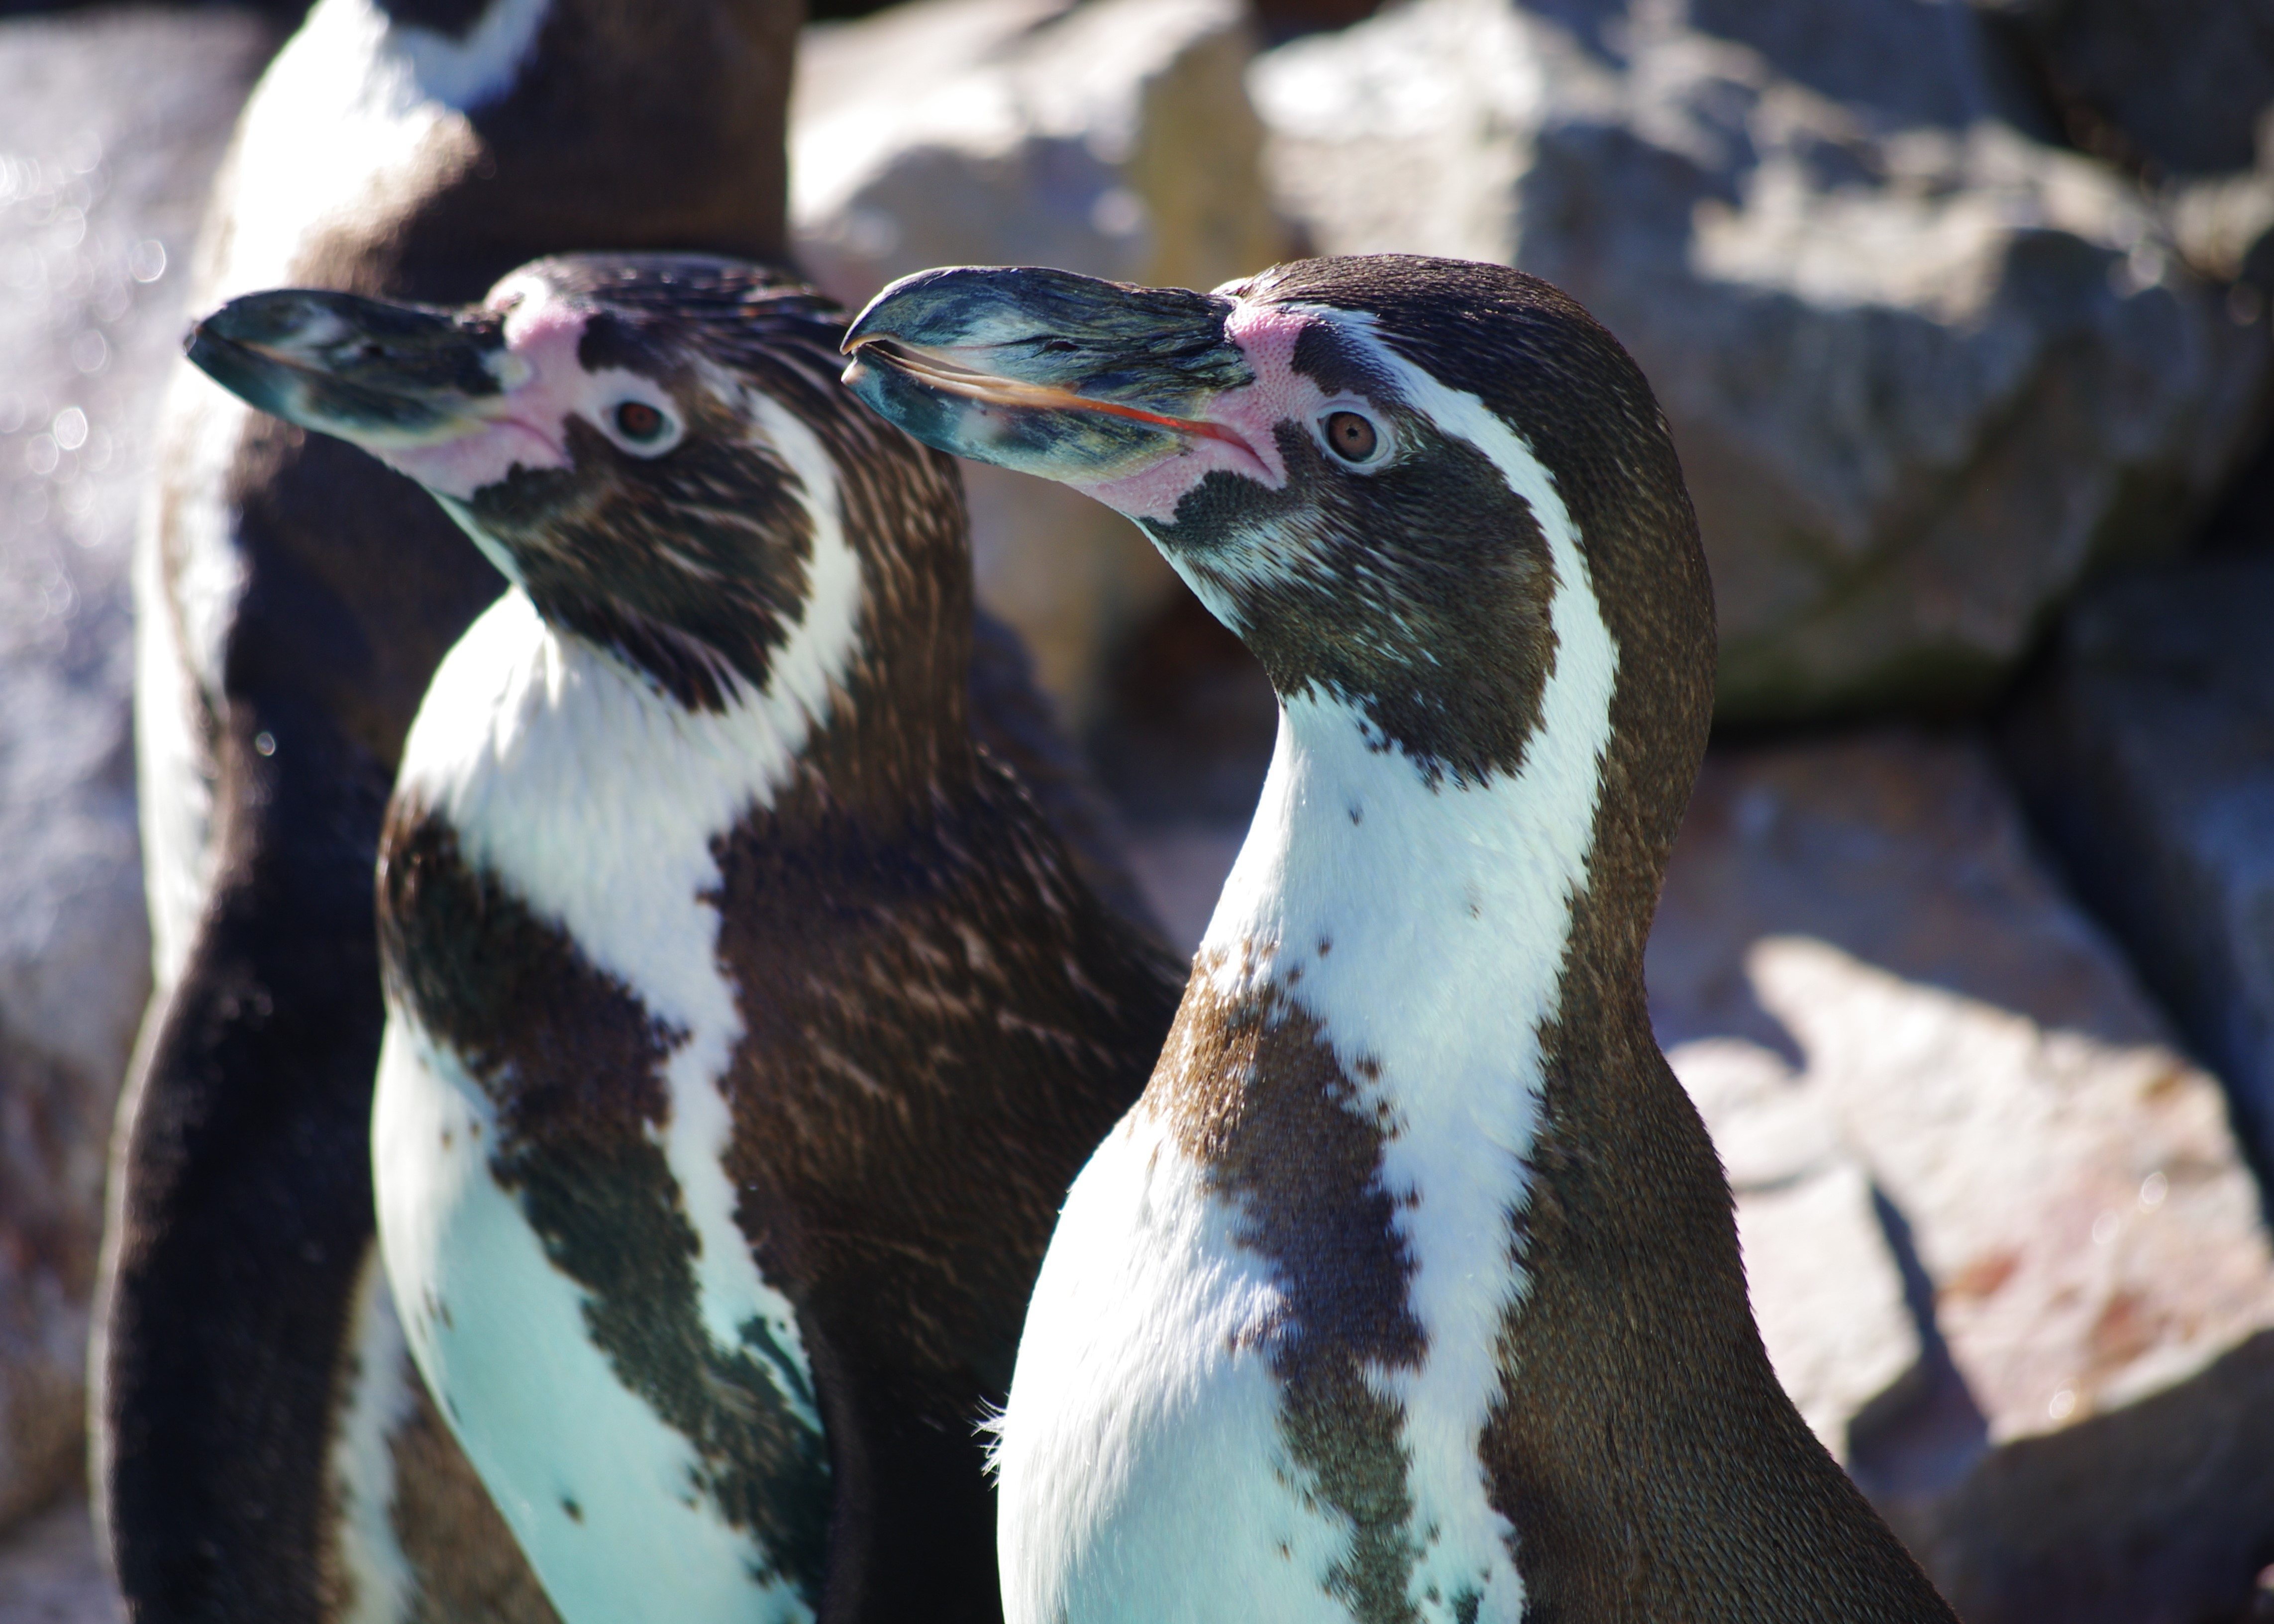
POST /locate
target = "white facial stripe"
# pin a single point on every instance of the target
(596, 799)
(810, 666)
(338, 121)
(1448, 911)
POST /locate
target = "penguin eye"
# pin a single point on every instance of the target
(640, 423)
(1350, 437)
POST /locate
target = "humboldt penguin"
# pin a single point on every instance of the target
(1410, 1291)
(747, 1018)
(263, 1449)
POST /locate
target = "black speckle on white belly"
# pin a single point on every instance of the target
(562, 1304)
(1255, 1096)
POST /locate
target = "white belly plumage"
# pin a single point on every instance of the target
(595, 801)
(601, 1494)
(1147, 1468)
(1142, 1475)
(1145, 1475)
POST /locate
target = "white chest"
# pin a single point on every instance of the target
(1169, 1445)
(599, 1490)
(593, 805)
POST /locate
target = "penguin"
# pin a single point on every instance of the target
(262, 1446)
(1410, 1289)
(746, 1018)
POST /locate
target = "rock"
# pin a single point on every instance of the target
(111, 123)
(1867, 980)
(1189, 724)
(50, 1574)
(1181, 870)
(1926, 372)
(1113, 138)
(2145, 747)
(2177, 92)
(2180, 84)
(1827, 1292)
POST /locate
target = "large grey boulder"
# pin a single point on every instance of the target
(110, 125)
(2004, 1248)
(2145, 745)
(1110, 137)
(1927, 372)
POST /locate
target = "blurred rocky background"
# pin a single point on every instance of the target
(1959, 315)
(111, 123)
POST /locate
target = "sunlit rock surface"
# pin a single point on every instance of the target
(2145, 744)
(49, 1572)
(1863, 971)
(1114, 138)
(2176, 92)
(100, 196)
(1926, 370)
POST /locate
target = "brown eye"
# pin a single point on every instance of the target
(638, 422)
(1350, 436)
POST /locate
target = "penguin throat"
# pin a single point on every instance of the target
(1448, 888)
(1430, 897)
(1363, 1053)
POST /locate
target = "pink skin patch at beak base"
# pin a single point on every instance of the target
(526, 426)
(1265, 335)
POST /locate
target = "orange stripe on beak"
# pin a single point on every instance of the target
(951, 378)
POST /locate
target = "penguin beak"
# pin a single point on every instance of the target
(1087, 382)
(383, 376)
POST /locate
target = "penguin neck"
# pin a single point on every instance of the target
(1411, 918)
(541, 747)
(869, 737)
(1366, 1058)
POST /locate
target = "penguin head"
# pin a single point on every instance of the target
(1392, 477)
(648, 445)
